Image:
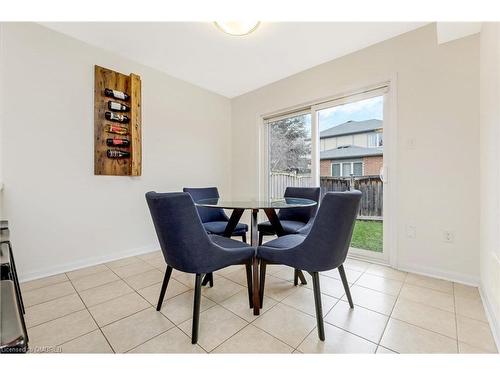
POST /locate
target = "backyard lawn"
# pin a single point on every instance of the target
(368, 235)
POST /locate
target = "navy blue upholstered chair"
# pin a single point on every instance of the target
(323, 249)
(294, 220)
(187, 247)
(214, 219)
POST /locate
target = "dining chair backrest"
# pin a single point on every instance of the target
(207, 214)
(326, 245)
(183, 240)
(302, 214)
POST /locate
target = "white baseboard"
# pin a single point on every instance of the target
(441, 274)
(490, 314)
(86, 263)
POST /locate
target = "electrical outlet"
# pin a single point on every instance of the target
(411, 231)
(448, 236)
(411, 143)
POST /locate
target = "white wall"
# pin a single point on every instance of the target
(437, 94)
(61, 215)
(490, 168)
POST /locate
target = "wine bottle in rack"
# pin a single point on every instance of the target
(117, 142)
(117, 154)
(119, 107)
(115, 129)
(116, 94)
(116, 117)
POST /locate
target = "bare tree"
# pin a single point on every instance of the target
(290, 146)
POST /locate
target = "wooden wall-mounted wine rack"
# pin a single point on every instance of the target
(131, 85)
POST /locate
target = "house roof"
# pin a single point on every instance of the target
(348, 152)
(352, 127)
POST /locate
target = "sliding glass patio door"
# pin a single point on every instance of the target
(337, 145)
(351, 156)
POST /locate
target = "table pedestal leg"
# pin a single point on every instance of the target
(275, 222)
(255, 242)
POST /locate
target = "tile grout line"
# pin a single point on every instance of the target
(88, 311)
(134, 290)
(67, 295)
(128, 316)
(215, 304)
(439, 308)
(79, 336)
(417, 302)
(98, 286)
(59, 317)
(159, 334)
(177, 325)
(428, 305)
(222, 306)
(52, 299)
(390, 315)
(423, 328)
(234, 334)
(253, 325)
(455, 310)
(333, 325)
(43, 286)
(316, 326)
(269, 333)
(151, 305)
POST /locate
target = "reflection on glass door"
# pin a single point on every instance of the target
(289, 153)
(351, 145)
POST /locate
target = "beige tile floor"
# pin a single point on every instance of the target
(110, 308)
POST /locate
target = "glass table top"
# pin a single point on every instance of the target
(256, 204)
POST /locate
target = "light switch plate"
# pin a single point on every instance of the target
(411, 231)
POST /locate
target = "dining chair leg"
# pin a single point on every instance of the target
(196, 309)
(261, 238)
(317, 303)
(295, 277)
(346, 285)
(166, 278)
(208, 278)
(248, 267)
(244, 237)
(302, 278)
(263, 266)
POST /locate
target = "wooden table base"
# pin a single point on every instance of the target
(254, 235)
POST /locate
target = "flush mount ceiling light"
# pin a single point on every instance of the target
(237, 28)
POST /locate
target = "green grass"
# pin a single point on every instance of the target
(368, 235)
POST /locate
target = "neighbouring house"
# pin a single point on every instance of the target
(352, 147)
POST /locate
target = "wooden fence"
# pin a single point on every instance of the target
(371, 187)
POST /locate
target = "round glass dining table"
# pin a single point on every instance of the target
(269, 207)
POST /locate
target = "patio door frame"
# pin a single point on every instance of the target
(367, 93)
(346, 95)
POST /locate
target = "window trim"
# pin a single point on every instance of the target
(340, 169)
(378, 138)
(352, 162)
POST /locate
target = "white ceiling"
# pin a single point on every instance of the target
(450, 31)
(199, 53)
